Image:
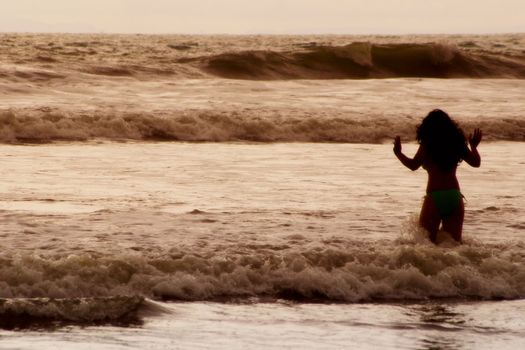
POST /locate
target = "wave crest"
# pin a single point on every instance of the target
(363, 60)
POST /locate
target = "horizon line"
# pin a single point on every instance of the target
(263, 33)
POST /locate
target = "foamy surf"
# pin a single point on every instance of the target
(324, 228)
(307, 111)
(344, 272)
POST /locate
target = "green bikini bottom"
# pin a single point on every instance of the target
(446, 201)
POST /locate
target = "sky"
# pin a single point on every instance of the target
(264, 16)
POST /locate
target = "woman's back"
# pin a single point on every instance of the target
(443, 146)
(439, 178)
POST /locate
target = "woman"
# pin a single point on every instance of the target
(442, 146)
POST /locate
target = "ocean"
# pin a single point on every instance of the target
(183, 191)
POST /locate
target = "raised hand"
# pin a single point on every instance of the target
(397, 145)
(475, 139)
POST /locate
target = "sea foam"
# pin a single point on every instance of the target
(364, 272)
(18, 125)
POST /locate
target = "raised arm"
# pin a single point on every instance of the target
(410, 163)
(471, 155)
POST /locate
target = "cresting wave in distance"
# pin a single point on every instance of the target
(364, 61)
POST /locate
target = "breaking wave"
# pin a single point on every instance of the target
(350, 272)
(210, 126)
(363, 60)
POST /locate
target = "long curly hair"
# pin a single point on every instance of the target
(443, 139)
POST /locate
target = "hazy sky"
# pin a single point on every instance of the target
(264, 16)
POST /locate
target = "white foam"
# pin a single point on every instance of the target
(365, 273)
(226, 126)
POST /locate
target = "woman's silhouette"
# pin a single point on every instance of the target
(442, 146)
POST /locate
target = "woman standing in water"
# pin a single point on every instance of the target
(442, 146)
